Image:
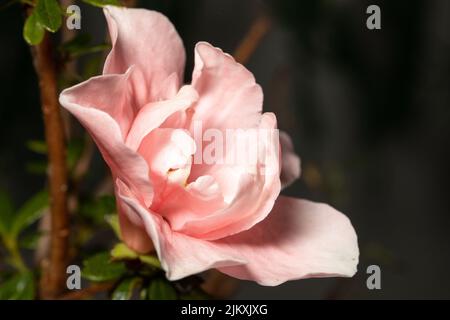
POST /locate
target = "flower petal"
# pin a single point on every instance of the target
(229, 96)
(148, 40)
(184, 204)
(168, 153)
(253, 188)
(132, 229)
(180, 255)
(100, 105)
(108, 94)
(154, 114)
(230, 99)
(300, 239)
(290, 161)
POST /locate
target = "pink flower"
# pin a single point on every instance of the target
(200, 215)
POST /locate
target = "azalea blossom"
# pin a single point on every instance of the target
(197, 215)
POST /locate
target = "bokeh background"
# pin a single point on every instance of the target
(369, 112)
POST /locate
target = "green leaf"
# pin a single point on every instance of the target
(33, 32)
(48, 14)
(6, 213)
(31, 211)
(151, 261)
(122, 252)
(125, 289)
(113, 221)
(161, 289)
(100, 268)
(102, 3)
(38, 146)
(19, 287)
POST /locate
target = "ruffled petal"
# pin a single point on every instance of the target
(152, 115)
(300, 239)
(249, 190)
(148, 40)
(100, 105)
(180, 255)
(229, 96)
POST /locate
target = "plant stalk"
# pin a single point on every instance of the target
(54, 268)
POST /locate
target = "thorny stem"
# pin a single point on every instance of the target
(54, 270)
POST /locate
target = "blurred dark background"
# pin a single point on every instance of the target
(369, 112)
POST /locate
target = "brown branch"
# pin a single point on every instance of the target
(252, 39)
(88, 292)
(54, 270)
(43, 247)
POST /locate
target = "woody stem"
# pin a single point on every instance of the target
(54, 268)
